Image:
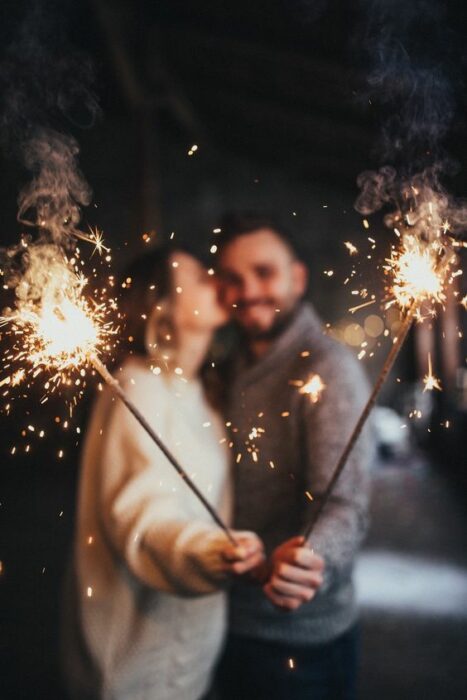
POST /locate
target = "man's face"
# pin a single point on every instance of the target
(260, 281)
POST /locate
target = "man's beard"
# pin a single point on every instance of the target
(281, 322)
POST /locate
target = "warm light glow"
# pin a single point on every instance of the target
(58, 330)
(314, 388)
(373, 325)
(429, 380)
(97, 237)
(65, 333)
(353, 250)
(416, 277)
(354, 334)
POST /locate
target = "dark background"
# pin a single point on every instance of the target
(275, 97)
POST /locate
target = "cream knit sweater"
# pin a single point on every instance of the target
(150, 616)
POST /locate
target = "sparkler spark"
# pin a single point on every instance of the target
(55, 328)
(314, 387)
(15, 379)
(97, 237)
(418, 272)
(429, 380)
(353, 309)
(353, 250)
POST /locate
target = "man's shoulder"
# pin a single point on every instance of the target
(313, 344)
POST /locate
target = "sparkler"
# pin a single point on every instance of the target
(429, 380)
(61, 332)
(420, 268)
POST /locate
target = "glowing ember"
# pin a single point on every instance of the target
(353, 309)
(15, 379)
(254, 433)
(353, 250)
(54, 327)
(419, 272)
(314, 388)
(429, 380)
(97, 237)
(64, 334)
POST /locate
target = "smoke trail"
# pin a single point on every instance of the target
(411, 58)
(419, 200)
(44, 83)
(52, 200)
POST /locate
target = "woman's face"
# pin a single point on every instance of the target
(196, 306)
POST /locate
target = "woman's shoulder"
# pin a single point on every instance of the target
(146, 384)
(138, 377)
(133, 367)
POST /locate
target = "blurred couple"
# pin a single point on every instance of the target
(164, 607)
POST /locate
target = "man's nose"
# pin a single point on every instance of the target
(250, 289)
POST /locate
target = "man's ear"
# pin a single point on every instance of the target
(299, 277)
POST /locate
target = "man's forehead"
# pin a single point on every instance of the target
(259, 246)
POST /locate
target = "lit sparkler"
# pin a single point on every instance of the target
(60, 331)
(417, 270)
(55, 329)
(420, 269)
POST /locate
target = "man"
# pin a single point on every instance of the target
(294, 636)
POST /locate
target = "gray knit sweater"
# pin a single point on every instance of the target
(294, 460)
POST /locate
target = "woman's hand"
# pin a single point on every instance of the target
(245, 555)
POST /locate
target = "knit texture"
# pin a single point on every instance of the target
(277, 473)
(149, 616)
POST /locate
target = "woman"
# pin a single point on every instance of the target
(149, 562)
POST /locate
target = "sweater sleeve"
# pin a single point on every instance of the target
(328, 425)
(141, 504)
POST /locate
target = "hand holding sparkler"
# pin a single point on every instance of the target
(245, 555)
(296, 573)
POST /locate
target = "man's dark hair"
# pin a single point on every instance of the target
(241, 223)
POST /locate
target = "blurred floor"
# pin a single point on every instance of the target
(412, 583)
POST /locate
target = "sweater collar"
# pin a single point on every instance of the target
(304, 321)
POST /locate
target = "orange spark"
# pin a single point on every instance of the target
(429, 380)
(314, 387)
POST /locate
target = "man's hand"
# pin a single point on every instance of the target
(247, 554)
(296, 574)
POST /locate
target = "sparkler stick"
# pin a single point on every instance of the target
(117, 389)
(403, 331)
